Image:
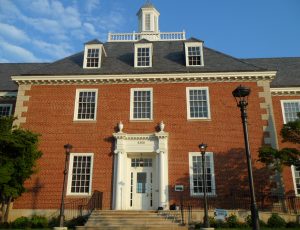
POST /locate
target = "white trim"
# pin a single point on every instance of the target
(193, 44)
(8, 94)
(69, 193)
(294, 180)
(288, 91)
(132, 90)
(282, 107)
(142, 45)
(213, 181)
(142, 78)
(188, 103)
(92, 46)
(76, 104)
(7, 105)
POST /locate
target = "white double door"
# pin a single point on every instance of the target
(141, 187)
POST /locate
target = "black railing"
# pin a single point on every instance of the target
(240, 200)
(83, 206)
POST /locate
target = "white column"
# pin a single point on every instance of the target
(162, 185)
(119, 181)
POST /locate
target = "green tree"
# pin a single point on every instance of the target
(18, 155)
(291, 131)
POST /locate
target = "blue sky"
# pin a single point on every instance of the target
(48, 30)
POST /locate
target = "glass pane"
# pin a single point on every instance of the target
(141, 182)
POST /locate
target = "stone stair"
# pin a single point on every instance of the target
(130, 220)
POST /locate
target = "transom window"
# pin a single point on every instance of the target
(86, 104)
(143, 55)
(141, 104)
(5, 110)
(92, 58)
(290, 109)
(196, 178)
(141, 162)
(296, 177)
(80, 173)
(198, 103)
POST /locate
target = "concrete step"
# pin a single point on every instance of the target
(144, 220)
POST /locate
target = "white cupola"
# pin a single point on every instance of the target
(148, 18)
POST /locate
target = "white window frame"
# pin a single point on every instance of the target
(70, 171)
(193, 44)
(211, 155)
(188, 103)
(294, 180)
(132, 90)
(77, 103)
(92, 46)
(10, 108)
(142, 45)
(282, 107)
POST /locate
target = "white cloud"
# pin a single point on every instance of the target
(17, 53)
(13, 33)
(54, 50)
(90, 29)
(91, 5)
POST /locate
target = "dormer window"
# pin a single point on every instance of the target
(194, 53)
(92, 54)
(143, 55)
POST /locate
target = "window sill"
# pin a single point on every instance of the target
(199, 119)
(202, 195)
(78, 195)
(141, 121)
(84, 121)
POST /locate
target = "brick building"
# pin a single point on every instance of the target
(135, 109)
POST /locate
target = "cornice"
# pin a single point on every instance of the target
(288, 91)
(145, 78)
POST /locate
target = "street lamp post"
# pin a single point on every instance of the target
(202, 148)
(241, 94)
(68, 149)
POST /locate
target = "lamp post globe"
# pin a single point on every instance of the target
(241, 94)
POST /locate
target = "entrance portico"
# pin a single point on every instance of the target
(140, 171)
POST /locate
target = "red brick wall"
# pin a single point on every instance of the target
(287, 173)
(50, 113)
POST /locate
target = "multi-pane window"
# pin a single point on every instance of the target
(92, 58)
(194, 55)
(141, 104)
(5, 109)
(141, 162)
(296, 175)
(147, 22)
(143, 56)
(86, 105)
(198, 103)
(196, 174)
(80, 173)
(290, 110)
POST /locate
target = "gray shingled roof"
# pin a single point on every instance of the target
(9, 69)
(288, 68)
(168, 57)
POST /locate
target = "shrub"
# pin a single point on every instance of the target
(232, 221)
(21, 222)
(5, 225)
(292, 225)
(217, 223)
(54, 222)
(276, 221)
(39, 222)
(248, 221)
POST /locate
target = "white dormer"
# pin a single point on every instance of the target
(148, 18)
(143, 52)
(194, 52)
(92, 54)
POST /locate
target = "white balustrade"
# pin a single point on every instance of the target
(161, 36)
